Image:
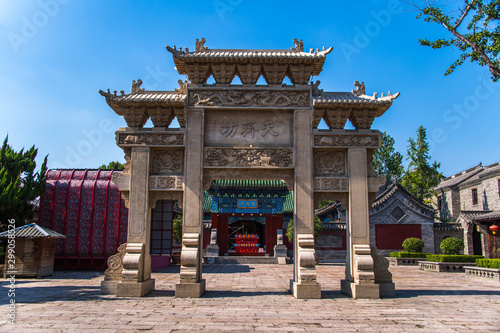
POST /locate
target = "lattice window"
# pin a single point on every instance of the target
(398, 214)
(475, 200)
(161, 227)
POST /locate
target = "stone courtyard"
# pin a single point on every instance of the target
(255, 298)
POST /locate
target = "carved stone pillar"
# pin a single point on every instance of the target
(136, 274)
(212, 249)
(304, 284)
(280, 248)
(191, 284)
(360, 278)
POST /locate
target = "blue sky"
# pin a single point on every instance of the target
(56, 54)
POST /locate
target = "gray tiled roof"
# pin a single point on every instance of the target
(495, 215)
(489, 170)
(348, 98)
(446, 226)
(149, 98)
(470, 215)
(459, 177)
(33, 230)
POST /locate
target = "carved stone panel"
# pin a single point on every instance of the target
(346, 140)
(165, 183)
(248, 128)
(329, 163)
(331, 183)
(170, 162)
(249, 98)
(236, 157)
(150, 139)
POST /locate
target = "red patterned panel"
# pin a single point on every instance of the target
(391, 236)
(59, 216)
(45, 213)
(113, 218)
(86, 206)
(99, 218)
(123, 223)
(73, 217)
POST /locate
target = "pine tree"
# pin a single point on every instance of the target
(19, 184)
(387, 161)
(421, 177)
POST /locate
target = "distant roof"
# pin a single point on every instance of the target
(459, 178)
(145, 98)
(487, 171)
(33, 230)
(446, 226)
(248, 184)
(392, 189)
(350, 99)
(327, 208)
(495, 215)
(470, 216)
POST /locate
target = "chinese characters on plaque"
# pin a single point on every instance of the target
(249, 128)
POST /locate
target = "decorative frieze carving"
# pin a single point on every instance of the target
(262, 98)
(115, 265)
(151, 139)
(328, 163)
(165, 183)
(248, 157)
(170, 162)
(346, 140)
(331, 184)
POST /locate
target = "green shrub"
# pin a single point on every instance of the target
(406, 254)
(413, 244)
(452, 245)
(488, 263)
(452, 258)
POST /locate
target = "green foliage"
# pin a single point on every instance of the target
(20, 185)
(113, 165)
(421, 177)
(318, 229)
(413, 244)
(452, 245)
(177, 229)
(488, 263)
(452, 258)
(406, 254)
(475, 32)
(386, 160)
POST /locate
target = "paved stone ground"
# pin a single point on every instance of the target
(255, 298)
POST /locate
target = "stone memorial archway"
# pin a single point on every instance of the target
(247, 131)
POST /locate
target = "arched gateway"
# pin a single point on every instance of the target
(246, 131)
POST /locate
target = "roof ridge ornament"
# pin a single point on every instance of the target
(299, 45)
(360, 88)
(182, 90)
(136, 87)
(315, 89)
(200, 45)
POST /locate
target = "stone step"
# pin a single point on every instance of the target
(242, 260)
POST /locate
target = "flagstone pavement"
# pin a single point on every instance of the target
(242, 298)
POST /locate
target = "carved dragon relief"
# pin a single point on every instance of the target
(166, 161)
(151, 139)
(260, 98)
(329, 163)
(248, 157)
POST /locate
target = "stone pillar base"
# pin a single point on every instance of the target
(305, 291)
(280, 251)
(109, 287)
(135, 289)
(387, 289)
(183, 290)
(360, 290)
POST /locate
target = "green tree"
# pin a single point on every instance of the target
(474, 28)
(113, 165)
(20, 185)
(318, 228)
(177, 229)
(387, 160)
(421, 177)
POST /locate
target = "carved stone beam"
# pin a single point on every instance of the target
(274, 73)
(121, 180)
(180, 113)
(318, 114)
(300, 73)
(223, 73)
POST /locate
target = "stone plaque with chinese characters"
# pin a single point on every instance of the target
(248, 128)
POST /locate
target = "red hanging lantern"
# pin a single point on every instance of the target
(494, 229)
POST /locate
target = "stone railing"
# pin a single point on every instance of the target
(404, 261)
(490, 274)
(447, 267)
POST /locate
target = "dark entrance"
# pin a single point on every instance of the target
(246, 235)
(476, 240)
